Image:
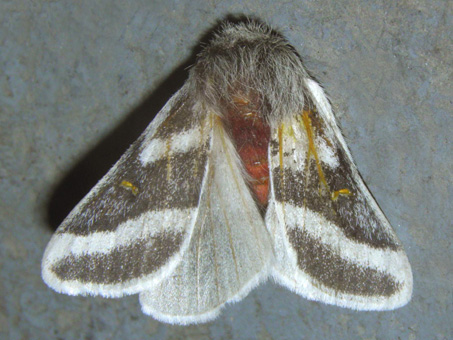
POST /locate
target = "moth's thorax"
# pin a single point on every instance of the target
(251, 57)
(251, 136)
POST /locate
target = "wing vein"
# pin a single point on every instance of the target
(216, 265)
(230, 238)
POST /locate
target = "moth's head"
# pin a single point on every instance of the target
(254, 63)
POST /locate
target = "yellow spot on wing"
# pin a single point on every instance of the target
(280, 146)
(342, 192)
(129, 186)
(168, 154)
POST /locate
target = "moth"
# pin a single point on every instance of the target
(242, 176)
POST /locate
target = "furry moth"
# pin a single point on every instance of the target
(242, 176)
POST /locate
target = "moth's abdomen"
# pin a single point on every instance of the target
(251, 135)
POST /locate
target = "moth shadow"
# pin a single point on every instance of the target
(96, 163)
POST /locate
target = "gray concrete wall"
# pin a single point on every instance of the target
(79, 81)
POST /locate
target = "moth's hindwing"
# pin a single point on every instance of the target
(332, 242)
(229, 252)
(133, 226)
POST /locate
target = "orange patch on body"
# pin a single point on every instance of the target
(251, 136)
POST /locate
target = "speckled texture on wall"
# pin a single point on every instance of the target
(79, 81)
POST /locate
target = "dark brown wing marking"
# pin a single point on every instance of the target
(122, 264)
(114, 204)
(334, 272)
(320, 188)
(135, 189)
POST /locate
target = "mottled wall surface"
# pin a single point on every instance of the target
(79, 81)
